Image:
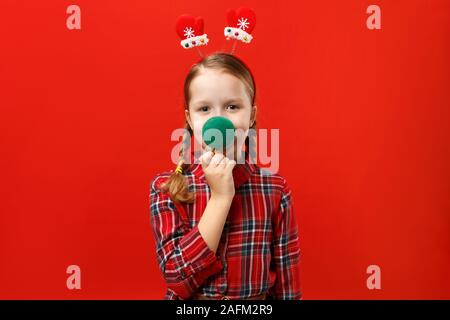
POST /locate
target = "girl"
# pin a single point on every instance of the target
(224, 228)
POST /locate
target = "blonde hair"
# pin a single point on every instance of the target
(177, 185)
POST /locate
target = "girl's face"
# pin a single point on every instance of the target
(216, 93)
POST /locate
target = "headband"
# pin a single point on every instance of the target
(240, 24)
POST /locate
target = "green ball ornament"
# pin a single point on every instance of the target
(218, 132)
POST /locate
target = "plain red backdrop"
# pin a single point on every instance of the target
(86, 117)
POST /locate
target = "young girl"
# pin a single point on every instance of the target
(224, 228)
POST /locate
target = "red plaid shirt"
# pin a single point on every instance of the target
(259, 248)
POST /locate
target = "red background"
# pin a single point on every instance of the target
(86, 117)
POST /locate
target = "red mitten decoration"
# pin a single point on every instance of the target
(241, 23)
(190, 30)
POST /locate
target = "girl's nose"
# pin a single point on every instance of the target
(218, 112)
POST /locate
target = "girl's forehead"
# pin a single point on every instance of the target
(213, 83)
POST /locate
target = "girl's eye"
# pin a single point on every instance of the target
(232, 107)
(204, 108)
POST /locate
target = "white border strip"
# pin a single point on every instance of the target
(195, 41)
(243, 36)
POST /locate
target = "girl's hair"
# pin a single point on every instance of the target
(177, 185)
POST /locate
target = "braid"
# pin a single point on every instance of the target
(185, 145)
(251, 153)
(177, 185)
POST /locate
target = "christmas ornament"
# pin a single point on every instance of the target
(240, 25)
(190, 30)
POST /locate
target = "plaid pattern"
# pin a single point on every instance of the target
(259, 249)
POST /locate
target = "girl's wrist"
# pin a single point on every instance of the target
(221, 197)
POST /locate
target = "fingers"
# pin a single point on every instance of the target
(231, 163)
(226, 164)
(210, 158)
(223, 162)
(216, 159)
(205, 146)
(205, 158)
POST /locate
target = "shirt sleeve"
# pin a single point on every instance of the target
(183, 256)
(286, 251)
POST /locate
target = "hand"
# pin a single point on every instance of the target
(218, 171)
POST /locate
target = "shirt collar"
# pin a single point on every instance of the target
(241, 172)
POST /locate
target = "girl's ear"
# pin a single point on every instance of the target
(253, 115)
(188, 118)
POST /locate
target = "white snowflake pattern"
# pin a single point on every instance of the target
(188, 32)
(243, 23)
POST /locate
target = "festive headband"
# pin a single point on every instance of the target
(240, 24)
